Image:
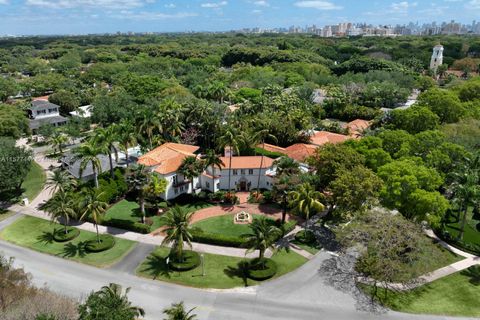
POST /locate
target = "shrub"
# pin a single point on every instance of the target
(148, 221)
(106, 242)
(60, 236)
(217, 196)
(128, 225)
(191, 260)
(262, 269)
(230, 198)
(305, 237)
(216, 239)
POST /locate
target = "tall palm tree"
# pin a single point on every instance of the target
(61, 206)
(58, 141)
(262, 136)
(282, 185)
(177, 222)
(466, 193)
(191, 168)
(105, 139)
(60, 181)
(127, 137)
(287, 166)
(229, 140)
(263, 236)
(177, 312)
(306, 200)
(87, 153)
(151, 122)
(211, 158)
(138, 180)
(112, 300)
(95, 208)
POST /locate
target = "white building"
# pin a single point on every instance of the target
(167, 159)
(83, 112)
(437, 57)
(43, 112)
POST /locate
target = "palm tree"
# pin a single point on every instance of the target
(287, 166)
(177, 312)
(60, 181)
(282, 185)
(306, 200)
(466, 193)
(177, 221)
(127, 137)
(105, 139)
(87, 154)
(191, 168)
(262, 135)
(263, 236)
(138, 180)
(229, 140)
(57, 141)
(150, 123)
(210, 158)
(94, 207)
(111, 296)
(61, 206)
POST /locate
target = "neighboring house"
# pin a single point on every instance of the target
(244, 174)
(300, 151)
(83, 112)
(43, 112)
(357, 127)
(165, 161)
(74, 167)
(319, 138)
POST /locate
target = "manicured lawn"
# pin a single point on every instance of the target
(454, 295)
(441, 257)
(224, 225)
(129, 210)
(36, 234)
(34, 181)
(222, 272)
(311, 248)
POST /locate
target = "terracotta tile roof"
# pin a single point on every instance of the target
(356, 127)
(300, 151)
(168, 157)
(44, 98)
(271, 148)
(323, 137)
(247, 162)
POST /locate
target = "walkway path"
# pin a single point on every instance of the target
(134, 258)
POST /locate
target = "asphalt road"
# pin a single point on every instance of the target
(301, 294)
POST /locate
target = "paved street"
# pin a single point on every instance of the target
(298, 295)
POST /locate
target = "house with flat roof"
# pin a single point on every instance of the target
(43, 112)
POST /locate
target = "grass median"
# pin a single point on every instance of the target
(221, 272)
(37, 234)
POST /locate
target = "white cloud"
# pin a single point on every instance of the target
(214, 4)
(403, 6)
(261, 3)
(68, 4)
(129, 15)
(319, 5)
(473, 4)
(256, 11)
(170, 6)
(3, 1)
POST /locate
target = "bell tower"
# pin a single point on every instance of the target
(437, 57)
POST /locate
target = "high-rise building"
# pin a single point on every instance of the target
(437, 57)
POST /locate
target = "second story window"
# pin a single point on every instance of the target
(53, 110)
(235, 172)
(242, 171)
(41, 112)
(250, 171)
(175, 180)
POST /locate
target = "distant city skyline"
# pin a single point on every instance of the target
(46, 17)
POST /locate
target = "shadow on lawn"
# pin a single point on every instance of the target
(156, 266)
(240, 271)
(71, 250)
(46, 238)
(474, 274)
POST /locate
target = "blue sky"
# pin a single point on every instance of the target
(98, 16)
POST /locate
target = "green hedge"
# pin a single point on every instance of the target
(127, 225)
(60, 236)
(274, 155)
(262, 269)
(216, 239)
(191, 260)
(106, 242)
